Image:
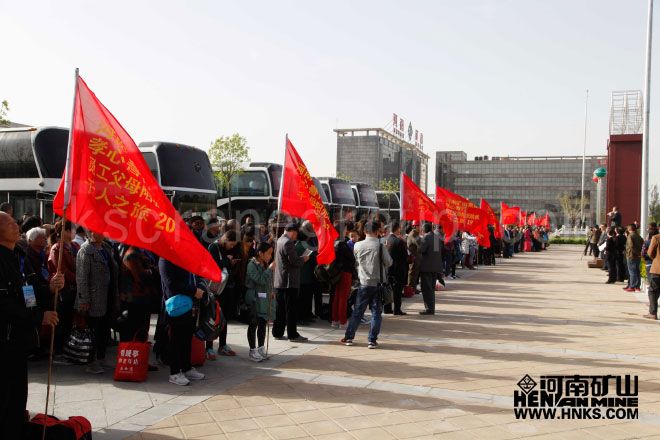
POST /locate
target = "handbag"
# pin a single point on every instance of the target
(132, 361)
(74, 428)
(386, 292)
(80, 345)
(210, 320)
(217, 287)
(178, 305)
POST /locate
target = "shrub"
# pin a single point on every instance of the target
(568, 240)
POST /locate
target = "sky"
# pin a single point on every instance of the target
(490, 77)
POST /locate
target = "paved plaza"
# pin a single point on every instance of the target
(449, 376)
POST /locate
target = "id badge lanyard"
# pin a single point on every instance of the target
(28, 290)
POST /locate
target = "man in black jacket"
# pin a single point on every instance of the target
(398, 271)
(20, 319)
(431, 264)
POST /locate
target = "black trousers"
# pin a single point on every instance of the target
(286, 316)
(138, 321)
(101, 328)
(310, 294)
(611, 268)
(654, 293)
(596, 250)
(621, 268)
(13, 393)
(63, 329)
(428, 290)
(181, 333)
(397, 290)
(256, 328)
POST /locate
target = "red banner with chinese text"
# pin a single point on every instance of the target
(467, 217)
(114, 193)
(492, 218)
(300, 198)
(415, 204)
(510, 215)
(523, 218)
(531, 219)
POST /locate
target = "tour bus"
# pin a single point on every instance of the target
(185, 174)
(254, 192)
(32, 162)
(365, 199)
(389, 204)
(341, 202)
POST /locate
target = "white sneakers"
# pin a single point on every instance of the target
(255, 356)
(334, 324)
(179, 379)
(184, 379)
(262, 352)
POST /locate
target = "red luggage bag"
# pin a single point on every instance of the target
(75, 428)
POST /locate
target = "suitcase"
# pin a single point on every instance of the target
(198, 352)
(74, 428)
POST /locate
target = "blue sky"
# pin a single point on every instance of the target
(498, 77)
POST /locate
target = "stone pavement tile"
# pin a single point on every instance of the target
(335, 436)
(321, 428)
(264, 410)
(230, 426)
(200, 430)
(162, 433)
(308, 416)
(287, 432)
(408, 430)
(610, 432)
(493, 433)
(372, 433)
(224, 415)
(297, 406)
(355, 423)
(195, 418)
(223, 404)
(340, 412)
(275, 421)
(248, 435)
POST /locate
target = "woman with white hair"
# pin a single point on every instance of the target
(36, 253)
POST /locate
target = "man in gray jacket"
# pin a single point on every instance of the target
(431, 253)
(370, 265)
(287, 283)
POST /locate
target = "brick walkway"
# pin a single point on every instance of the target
(449, 376)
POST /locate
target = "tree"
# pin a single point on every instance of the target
(389, 186)
(4, 109)
(654, 204)
(344, 177)
(570, 204)
(228, 155)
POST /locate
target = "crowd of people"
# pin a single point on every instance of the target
(626, 256)
(64, 277)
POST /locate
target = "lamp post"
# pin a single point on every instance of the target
(644, 211)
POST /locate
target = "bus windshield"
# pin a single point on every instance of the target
(249, 183)
(367, 196)
(319, 188)
(50, 147)
(342, 193)
(275, 178)
(185, 167)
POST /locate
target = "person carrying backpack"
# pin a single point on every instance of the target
(259, 298)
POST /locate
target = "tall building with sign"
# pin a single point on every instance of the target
(533, 183)
(371, 155)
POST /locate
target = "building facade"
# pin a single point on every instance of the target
(533, 183)
(371, 155)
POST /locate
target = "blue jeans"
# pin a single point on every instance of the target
(635, 279)
(366, 295)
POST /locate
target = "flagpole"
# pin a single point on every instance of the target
(584, 155)
(66, 200)
(643, 221)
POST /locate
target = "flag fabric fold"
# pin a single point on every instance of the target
(492, 218)
(415, 204)
(300, 198)
(510, 215)
(112, 190)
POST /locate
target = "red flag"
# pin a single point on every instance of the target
(531, 219)
(112, 191)
(523, 218)
(455, 206)
(415, 204)
(492, 218)
(300, 198)
(545, 221)
(477, 224)
(510, 215)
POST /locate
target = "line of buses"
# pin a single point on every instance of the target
(32, 162)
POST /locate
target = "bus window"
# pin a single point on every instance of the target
(321, 190)
(16, 157)
(150, 159)
(185, 167)
(326, 190)
(342, 193)
(358, 201)
(275, 178)
(367, 196)
(50, 147)
(249, 183)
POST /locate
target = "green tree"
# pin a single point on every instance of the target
(570, 204)
(4, 110)
(389, 186)
(228, 155)
(344, 177)
(654, 204)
